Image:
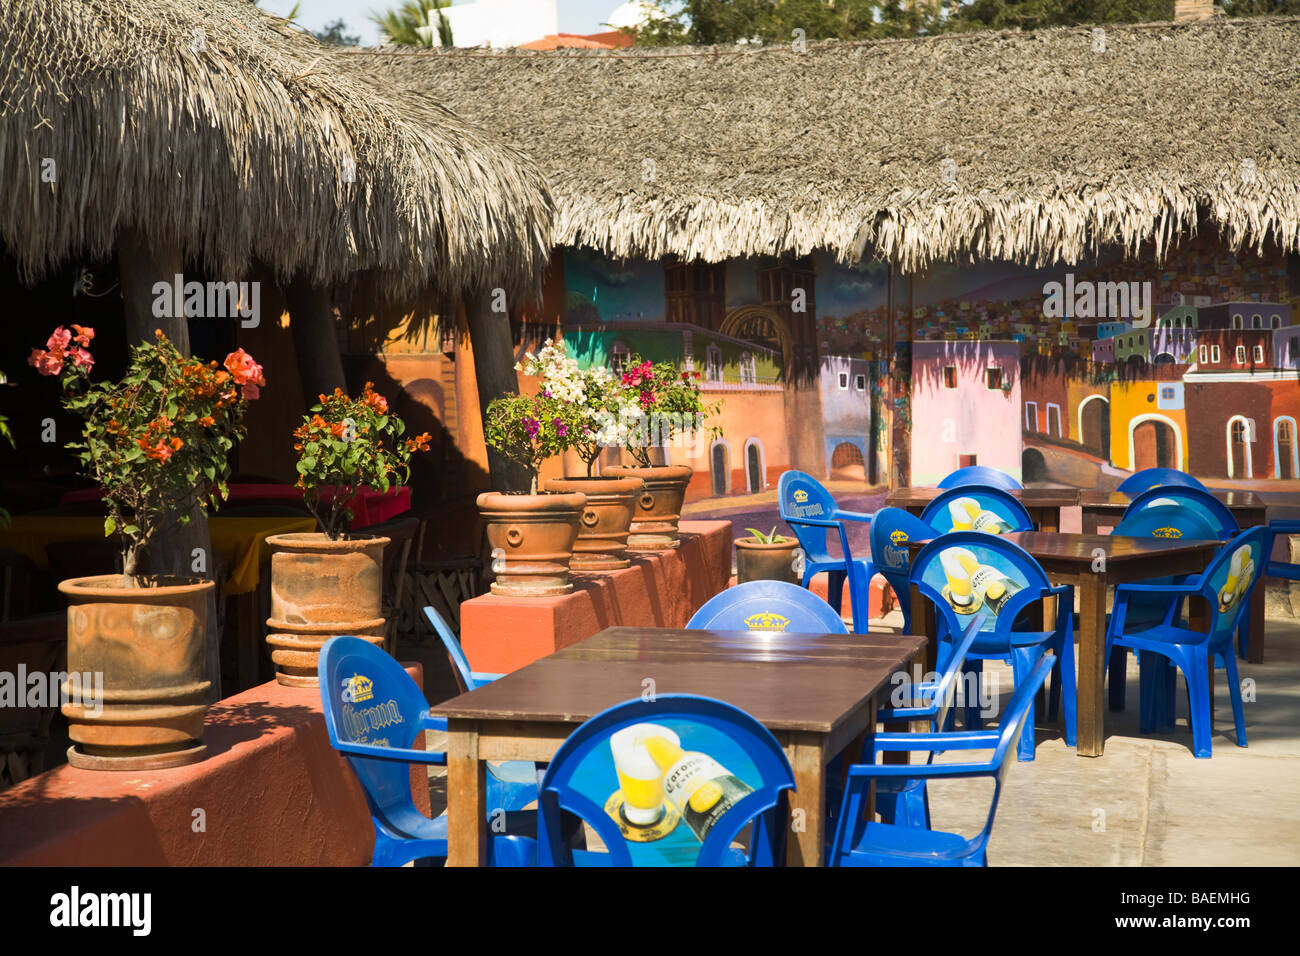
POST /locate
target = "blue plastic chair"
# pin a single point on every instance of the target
(582, 781)
(1149, 478)
(1197, 500)
(980, 561)
(1273, 569)
(374, 712)
(768, 606)
(858, 842)
(1226, 585)
(810, 511)
(980, 475)
(469, 679)
(1009, 512)
(891, 529)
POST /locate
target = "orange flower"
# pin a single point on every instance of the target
(207, 421)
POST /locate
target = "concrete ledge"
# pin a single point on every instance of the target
(272, 791)
(660, 589)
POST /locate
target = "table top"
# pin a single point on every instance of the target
(1030, 497)
(1083, 548)
(1119, 500)
(800, 682)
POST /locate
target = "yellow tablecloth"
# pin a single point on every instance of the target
(240, 540)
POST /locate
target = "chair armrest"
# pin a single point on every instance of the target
(1184, 589)
(905, 771)
(854, 515)
(395, 754)
(429, 722)
(939, 742)
(1284, 526)
(480, 678)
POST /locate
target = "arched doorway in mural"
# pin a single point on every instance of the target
(754, 323)
(1155, 445)
(1285, 463)
(1094, 425)
(720, 468)
(1033, 466)
(755, 473)
(1241, 462)
(847, 463)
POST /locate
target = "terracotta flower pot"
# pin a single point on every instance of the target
(532, 538)
(321, 589)
(756, 561)
(606, 519)
(146, 645)
(659, 507)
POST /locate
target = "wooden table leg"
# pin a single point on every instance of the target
(1255, 649)
(807, 755)
(1048, 519)
(1088, 522)
(466, 797)
(1092, 644)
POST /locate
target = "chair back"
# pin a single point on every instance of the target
(802, 496)
(1148, 478)
(768, 606)
(978, 508)
(454, 651)
(1201, 503)
(891, 530)
(663, 747)
(970, 573)
(980, 475)
(371, 704)
(1228, 582)
(1167, 521)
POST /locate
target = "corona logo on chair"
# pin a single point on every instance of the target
(766, 621)
(800, 495)
(898, 536)
(357, 688)
(1166, 533)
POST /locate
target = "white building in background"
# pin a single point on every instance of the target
(501, 23)
(630, 14)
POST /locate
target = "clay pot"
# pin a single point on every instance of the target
(605, 521)
(659, 507)
(531, 538)
(322, 588)
(756, 561)
(146, 643)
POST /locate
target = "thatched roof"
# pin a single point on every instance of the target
(1056, 148)
(220, 130)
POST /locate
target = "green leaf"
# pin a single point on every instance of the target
(110, 525)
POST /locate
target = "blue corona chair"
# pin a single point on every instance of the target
(374, 713)
(810, 511)
(582, 781)
(978, 508)
(859, 842)
(1274, 568)
(891, 529)
(768, 606)
(1197, 500)
(468, 679)
(968, 574)
(1226, 586)
(1148, 478)
(980, 475)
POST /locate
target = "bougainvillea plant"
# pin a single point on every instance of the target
(669, 402)
(158, 441)
(528, 429)
(345, 444)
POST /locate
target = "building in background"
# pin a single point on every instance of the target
(501, 23)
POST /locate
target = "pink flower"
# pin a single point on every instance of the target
(84, 335)
(532, 426)
(60, 340)
(243, 369)
(47, 363)
(82, 359)
(561, 429)
(251, 392)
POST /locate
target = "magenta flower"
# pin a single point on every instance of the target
(532, 426)
(561, 429)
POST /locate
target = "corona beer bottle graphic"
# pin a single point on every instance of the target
(967, 515)
(994, 587)
(700, 787)
(1241, 570)
(958, 566)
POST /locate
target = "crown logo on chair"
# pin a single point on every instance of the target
(766, 621)
(357, 688)
(898, 537)
(800, 495)
(1166, 533)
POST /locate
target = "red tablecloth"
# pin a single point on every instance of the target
(368, 506)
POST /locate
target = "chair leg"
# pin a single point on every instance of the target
(1022, 662)
(1069, 689)
(1196, 673)
(835, 592)
(971, 671)
(1234, 694)
(1118, 666)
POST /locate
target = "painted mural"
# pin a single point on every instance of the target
(1073, 375)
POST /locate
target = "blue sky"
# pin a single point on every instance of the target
(576, 16)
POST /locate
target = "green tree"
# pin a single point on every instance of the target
(334, 34)
(416, 23)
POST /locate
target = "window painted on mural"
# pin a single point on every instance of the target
(1053, 420)
(619, 354)
(1205, 353)
(1215, 354)
(1236, 320)
(1293, 347)
(1031, 416)
(1259, 354)
(1167, 393)
(748, 371)
(1275, 322)
(1256, 321)
(860, 383)
(713, 364)
(844, 380)
(950, 376)
(993, 377)
(1241, 355)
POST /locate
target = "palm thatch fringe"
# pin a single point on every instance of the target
(220, 131)
(1031, 146)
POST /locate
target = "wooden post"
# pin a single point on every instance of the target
(187, 549)
(315, 338)
(494, 370)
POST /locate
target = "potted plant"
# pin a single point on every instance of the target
(766, 557)
(158, 442)
(531, 536)
(598, 397)
(330, 582)
(667, 405)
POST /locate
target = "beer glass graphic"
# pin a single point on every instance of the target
(639, 777)
(963, 512)
(958, 567)
(1241, 571)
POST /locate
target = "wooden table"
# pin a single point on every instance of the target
(1105, 508)
(1077, 559)
(818, 694)
(1043, 504)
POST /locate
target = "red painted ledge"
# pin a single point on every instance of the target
(660, 589)
(272, 791)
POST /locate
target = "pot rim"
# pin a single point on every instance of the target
(657, 472)
(112, 584)
(754, 544)
(318, 541)
(614, 485)
(497, 501)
